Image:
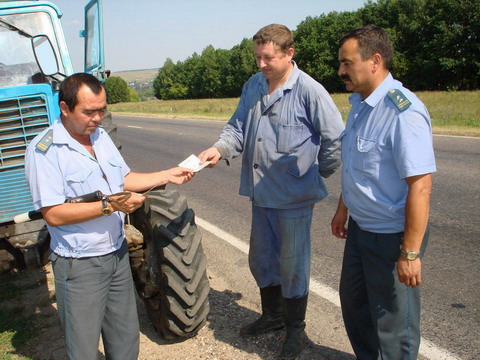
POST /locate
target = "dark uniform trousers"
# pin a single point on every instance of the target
(381, 314)
(95, 295)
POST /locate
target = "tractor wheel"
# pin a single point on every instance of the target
(111, 129)
(169, 269)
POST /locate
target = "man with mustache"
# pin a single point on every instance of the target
(388, 159)
(286, 127)
(93, 281)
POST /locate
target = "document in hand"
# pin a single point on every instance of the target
(193, 163)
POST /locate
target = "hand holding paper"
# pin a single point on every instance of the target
(193, 163)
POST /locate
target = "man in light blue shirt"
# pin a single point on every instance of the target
(388, 159)
(286, 127)
(93, 281)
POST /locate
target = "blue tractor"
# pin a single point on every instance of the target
(167, 259)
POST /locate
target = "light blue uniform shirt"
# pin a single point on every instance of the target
(65, 170)
(381, 146)
(287, 139)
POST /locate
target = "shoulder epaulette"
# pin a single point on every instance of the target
(45, 141)
(400, 101)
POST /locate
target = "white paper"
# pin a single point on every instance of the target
(193, 163)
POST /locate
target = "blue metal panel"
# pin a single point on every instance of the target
(15, 195)
(24, 113)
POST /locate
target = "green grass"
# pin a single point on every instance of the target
(215, 109)
(16, 330)
(20, 323)
(453, 113)
(15, 327)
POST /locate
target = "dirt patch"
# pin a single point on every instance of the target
(218, 340)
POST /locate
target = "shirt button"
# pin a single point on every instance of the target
(255, 166)
(259, 139)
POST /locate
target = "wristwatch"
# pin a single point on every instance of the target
(409, 255)
(105, 209)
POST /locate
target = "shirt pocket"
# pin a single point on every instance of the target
(79, 182)
(365, 155)
(114, 173)
(289, 137)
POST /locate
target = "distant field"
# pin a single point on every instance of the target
(453, 113)
(139, 76)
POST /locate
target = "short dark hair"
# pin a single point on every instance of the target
(278, 34)
(72, 84)
(371, 40)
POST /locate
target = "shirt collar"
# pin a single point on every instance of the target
(377, 95)
(62, 136)
(292, 79)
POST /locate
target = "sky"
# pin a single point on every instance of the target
(142, 34)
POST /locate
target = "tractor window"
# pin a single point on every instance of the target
(17, 62)
(93, 56)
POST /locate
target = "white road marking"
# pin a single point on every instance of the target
(458, 136)
(427, 348)
(135, 127)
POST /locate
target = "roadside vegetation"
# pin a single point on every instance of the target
(452, 112)
(436, 56)
(435, 42)
(24, 300)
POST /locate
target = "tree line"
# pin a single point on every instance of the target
(436, 46)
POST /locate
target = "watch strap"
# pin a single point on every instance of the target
(409, 255)
(105, 209)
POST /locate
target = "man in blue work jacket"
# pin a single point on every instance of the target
(388, 159)
(93, 281)
(286, 126)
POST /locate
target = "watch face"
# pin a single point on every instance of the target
(411, 256)
(105, 209)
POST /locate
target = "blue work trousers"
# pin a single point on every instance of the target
(280, 249)
(381, 314)
(95, 295)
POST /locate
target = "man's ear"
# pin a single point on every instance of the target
(291, 52)
(64, 108)
(377, 62)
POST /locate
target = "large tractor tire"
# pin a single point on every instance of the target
(111, 129)
(169, 268)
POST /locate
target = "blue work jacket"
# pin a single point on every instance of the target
(288, 141)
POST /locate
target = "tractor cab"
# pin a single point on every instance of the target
(34, 60)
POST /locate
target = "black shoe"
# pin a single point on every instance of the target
(272, 317)
(295, 340)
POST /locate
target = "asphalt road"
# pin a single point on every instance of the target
(450, 292)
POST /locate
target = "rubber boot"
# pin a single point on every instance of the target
(294, 343)
(272, 313)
